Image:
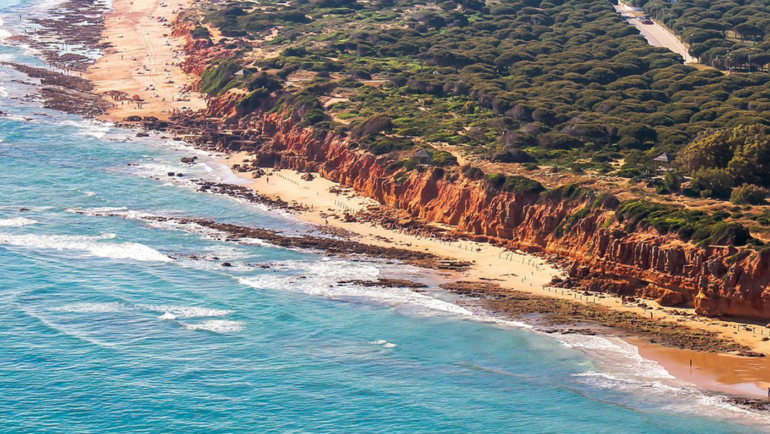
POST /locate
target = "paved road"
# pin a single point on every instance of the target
(656, 35)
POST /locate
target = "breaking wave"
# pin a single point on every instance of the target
(94, 246)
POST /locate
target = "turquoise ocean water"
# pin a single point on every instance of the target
(112, 322)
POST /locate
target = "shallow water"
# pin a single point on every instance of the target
(111, 322)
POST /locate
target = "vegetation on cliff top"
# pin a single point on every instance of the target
(558, 82)
(515, 81)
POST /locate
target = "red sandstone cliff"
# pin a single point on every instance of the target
(602, 255)
(641, 263)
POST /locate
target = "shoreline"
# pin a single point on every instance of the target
(721, 373)
(320, 207)
(531, 275)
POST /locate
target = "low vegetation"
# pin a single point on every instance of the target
(563, 84)
(517, 81)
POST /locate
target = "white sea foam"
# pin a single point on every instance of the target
(45, 5)
(167, 316)
(321, 278)
(153, 220)
(170, 312)
(217, 326)
(612, 352)
(622, 368)
(92, 245)
(88, 128)
(383, 343)
(16, 222)
(184, 311)
(93, 308)
(678, 398)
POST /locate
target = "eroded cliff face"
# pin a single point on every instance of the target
(603, 256)
(715, 280)
(199, 52)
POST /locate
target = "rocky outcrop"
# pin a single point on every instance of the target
(603, 256)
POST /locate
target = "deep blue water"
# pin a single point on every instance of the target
(111, 322)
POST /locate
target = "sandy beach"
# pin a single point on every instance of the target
(744, 376)
(143, 61)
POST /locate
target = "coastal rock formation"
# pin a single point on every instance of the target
(603, 256)
(600, 255)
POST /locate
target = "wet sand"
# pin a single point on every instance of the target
(743, 376)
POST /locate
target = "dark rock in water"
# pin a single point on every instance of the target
(179, 175)
(67, 93)
(189, 160)
(752, 403)
(171, 174)
(132, 164)
(133, 119)
(23, 209)
(142, 135)
(385, 283)
(227, 264)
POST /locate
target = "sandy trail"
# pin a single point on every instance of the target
(143, 60)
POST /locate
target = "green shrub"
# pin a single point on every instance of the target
(216, 79)
(722, 233)
(714, 183)
(748, 194)
(672, 181)
(688, 224)
(200, 32)
(442, 158)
